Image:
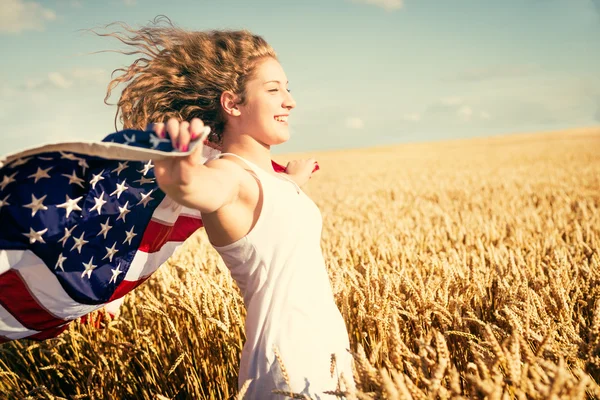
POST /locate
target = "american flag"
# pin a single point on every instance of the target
(81, 225)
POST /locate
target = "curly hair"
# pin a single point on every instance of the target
(182, 74)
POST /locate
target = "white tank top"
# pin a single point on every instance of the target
(280, 270)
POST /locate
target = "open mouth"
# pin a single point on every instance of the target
(281, 118)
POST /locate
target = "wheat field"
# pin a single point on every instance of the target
(463, 269)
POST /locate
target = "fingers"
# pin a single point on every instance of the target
(182, 133)
(183, 139)
(173, 130)
(159, 129)
(196, 128)
(196, 156)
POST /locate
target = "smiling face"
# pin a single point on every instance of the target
(268, 102)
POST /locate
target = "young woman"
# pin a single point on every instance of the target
(266, 229)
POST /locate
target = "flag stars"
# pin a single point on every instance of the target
(21, 161)
(35, 236)
(6, 180)
(145, 198)
(79, 243)
(144, 180)
(66, 236)
(115, 273)
(129, 140)
(120, 189)
(121, 167)
(3, 202)
(123, 211)
(147, 168)
(99, 203)
(36, 204)
(110, 252)
(96, 179)
(89, 268)
(60, 261)
(83, 164)
(130, 235)
(40, 174)
(74, 179)
(105, 228)
(70, 205)
(156, 141)
(68, 156)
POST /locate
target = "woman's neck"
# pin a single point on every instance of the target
(249, 148)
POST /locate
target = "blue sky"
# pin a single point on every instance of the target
(363, 72)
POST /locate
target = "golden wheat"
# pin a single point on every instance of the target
(463, 269)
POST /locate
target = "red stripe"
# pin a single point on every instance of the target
(157, 234)
(18, 301)
(48, 333)
(126, 287)
(277, 167)
(281, 168)
(16, 298)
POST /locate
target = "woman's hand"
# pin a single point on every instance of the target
(177, 176)
(301, 170)
(180, 133)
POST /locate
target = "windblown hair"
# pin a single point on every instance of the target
(182, 74)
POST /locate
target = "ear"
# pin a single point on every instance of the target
(229, 102)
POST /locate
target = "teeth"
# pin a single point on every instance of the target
(281, 119)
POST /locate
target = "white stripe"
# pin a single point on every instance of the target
(190, 212)
(7, 259)
(144, 264)
(167, 211)
(45, 288)
(10, 328)
(108, 150)
(114, 306)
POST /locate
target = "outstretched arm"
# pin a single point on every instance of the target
(204, 187)
(300, 171)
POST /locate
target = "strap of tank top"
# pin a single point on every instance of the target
(248, 163)
(254, 168)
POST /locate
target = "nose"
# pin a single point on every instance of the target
(289, 101)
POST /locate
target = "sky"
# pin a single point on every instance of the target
(363, 72)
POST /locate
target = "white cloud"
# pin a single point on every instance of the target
(388, 5)
(465, 113)
(456, 107)
(19, 15)
(90, 75)
(414, 117)
(542, 100)
(451, 101)
(67, 79)
(58, 80)
(355, 123)
(490, 72)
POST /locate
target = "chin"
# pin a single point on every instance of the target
(280, 137)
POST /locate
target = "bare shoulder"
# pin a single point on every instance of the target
(231, 171)
(226, 168)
